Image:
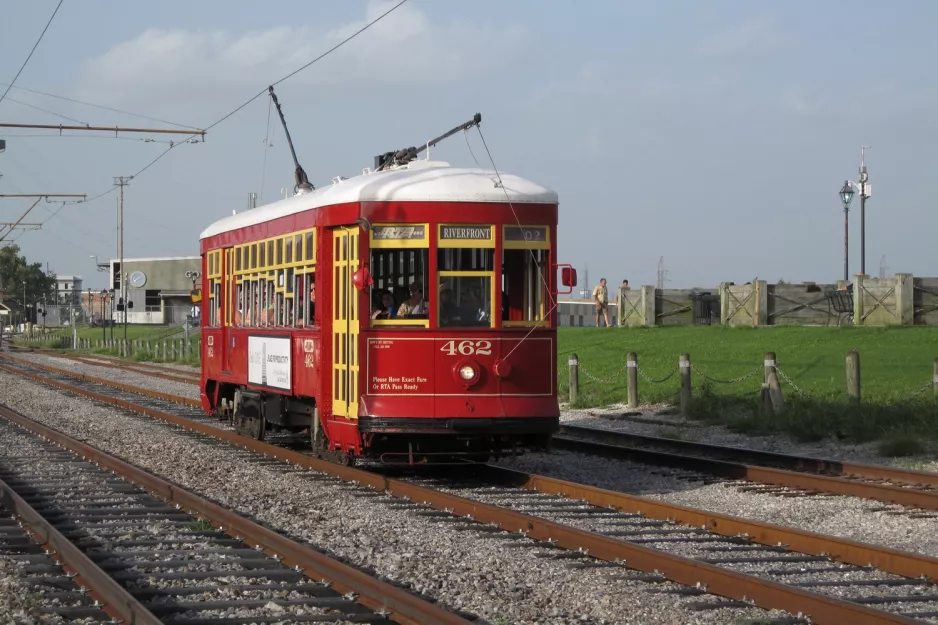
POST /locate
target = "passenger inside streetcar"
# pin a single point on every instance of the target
(415, 306)
(386, 307)
(449, 313)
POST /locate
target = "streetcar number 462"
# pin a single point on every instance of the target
(468, 348)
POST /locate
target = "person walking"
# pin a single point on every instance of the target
(601, 300)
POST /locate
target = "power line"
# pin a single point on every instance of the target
(36, 45)
(39, 108)
(99, 106)
(260, 93)
(318, 58)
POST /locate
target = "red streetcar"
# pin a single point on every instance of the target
(404, 315)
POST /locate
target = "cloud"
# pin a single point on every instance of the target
(405, 48)
(751, 35)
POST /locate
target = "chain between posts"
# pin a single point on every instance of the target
(790, 382)
(608, 380)
(718, 381)
(656, 381)
(924, 387)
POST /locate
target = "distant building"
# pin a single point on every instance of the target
(157, 288)
(68, 288)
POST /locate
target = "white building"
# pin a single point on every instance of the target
(66, 286)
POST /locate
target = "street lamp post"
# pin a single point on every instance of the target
(865, 190)
(113, 322)
(846, 195)
(103, 314)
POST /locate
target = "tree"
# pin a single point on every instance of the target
(14, 271)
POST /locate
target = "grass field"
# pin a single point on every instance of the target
(895, 363)
(134, 332)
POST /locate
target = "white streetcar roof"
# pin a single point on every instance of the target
(418, 181)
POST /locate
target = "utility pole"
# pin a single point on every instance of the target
(122, 181)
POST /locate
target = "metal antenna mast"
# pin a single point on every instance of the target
(302, 182)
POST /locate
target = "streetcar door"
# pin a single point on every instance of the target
(345, 322)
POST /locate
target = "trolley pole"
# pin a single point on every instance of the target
(122, 181)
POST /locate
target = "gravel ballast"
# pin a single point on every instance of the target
(846, 517)
(463, 569)
(131, 378)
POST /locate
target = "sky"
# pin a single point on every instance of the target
(713, 134)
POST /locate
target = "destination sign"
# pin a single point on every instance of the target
(399, 233)
(466, 233)
(526, 233)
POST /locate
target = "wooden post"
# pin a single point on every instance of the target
(172, 350)
(760, 313)
(765, 401)
(905, 303)
(684, 367)
(853, 376)
(769, 365)
(574, 364)
(631, 365)
(771, 388)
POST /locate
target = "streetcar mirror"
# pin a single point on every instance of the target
(568, 276)
(362, 278)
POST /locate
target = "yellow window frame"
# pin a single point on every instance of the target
(469, 274)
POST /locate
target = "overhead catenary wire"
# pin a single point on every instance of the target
(270, 104)
(540, 271)
(99, 106)
(39, 108)
(260, 93)
(35, 45)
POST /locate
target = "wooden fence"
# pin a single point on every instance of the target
(163, 351)
(900, 300)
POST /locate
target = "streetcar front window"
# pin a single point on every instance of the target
(400, 268)
(464, 284)
(465, 301)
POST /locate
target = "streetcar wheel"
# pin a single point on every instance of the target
(256, 427)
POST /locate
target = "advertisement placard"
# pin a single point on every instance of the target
(269, 362)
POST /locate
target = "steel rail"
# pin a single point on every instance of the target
(143, 366)
(116, 601)
(824, 466)
(125, 366)
(895, 561)
(373, 593)
(911, 497)
(176, 399)
(727, 583)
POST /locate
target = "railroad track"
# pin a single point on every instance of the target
(916, 491)
(153, 371)
(773, 473)
(147, 552)
(831, 580)
(123, 365)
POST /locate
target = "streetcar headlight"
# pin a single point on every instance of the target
(466, 372)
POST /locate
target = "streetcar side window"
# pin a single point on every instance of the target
(214, 288)
(399, 294)
(525, 300)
